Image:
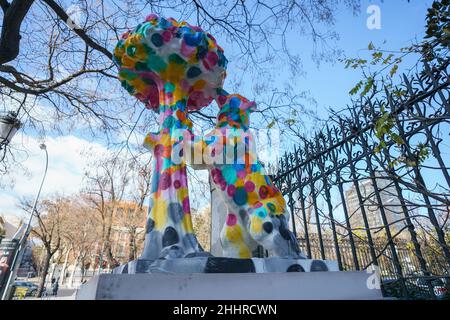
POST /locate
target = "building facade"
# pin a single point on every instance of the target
(389, 202)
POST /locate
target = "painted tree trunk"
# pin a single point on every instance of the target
(72, 274)
(63, 270)
(169, 231)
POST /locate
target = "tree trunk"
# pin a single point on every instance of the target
(108, 248)
(45, 267)
(132, 245)
(63, 271)
(72, 274)
(54, 266)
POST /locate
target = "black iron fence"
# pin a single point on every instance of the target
(373, 187)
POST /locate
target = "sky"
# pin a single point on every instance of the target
(401, 23)
(328, 84)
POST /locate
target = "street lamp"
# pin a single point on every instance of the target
(23, 240)
(9, 124)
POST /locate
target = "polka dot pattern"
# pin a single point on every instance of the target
(247, 190)
(162, 50)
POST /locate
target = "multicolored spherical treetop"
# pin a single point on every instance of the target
(173, 68)
(161, 52)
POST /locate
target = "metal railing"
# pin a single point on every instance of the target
(363, 195)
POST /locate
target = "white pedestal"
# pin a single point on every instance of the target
(230, 286)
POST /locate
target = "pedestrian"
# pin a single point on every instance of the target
(55, 287)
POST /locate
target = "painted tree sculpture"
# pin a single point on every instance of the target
(173, 68)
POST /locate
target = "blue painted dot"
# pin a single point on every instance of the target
(192, 40)
(261, 212)
(193, 72)
(157, 40)
(240, 196)
(235, 102)
(229, 174)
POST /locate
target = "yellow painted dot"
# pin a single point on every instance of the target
(187, 223)
(244, 252)
(199, 84)
(234, 234)
(256, 224)
(159, 213)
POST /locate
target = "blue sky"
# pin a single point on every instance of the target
(401, 23)
(328, 84)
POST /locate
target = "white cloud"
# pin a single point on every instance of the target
(67, 160)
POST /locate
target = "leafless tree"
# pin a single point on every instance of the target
(56, 64)
(107, 183)
(49, 216)
(80, 234)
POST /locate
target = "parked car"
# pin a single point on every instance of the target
(439, 287)
(417, 288)
(30, 286)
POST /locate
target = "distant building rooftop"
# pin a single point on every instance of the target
(10, 223)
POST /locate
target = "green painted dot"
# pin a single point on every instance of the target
(148, 49)
(166, 164)
(127, 86)
(141, 66)
(176, 59)
(168, 122)
(131, 51)
(229, 174)
(127, 74)
(169, 87)
(271, 206)
(156, 63)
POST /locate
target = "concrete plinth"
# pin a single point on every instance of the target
(230, 286)
(209, 264)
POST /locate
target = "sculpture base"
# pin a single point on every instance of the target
(225, 265)
(226, 286)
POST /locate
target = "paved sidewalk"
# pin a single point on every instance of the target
(63, 294)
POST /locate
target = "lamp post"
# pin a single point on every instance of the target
(23, 240)
(9, 124)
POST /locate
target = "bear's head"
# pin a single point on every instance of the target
(234, 111)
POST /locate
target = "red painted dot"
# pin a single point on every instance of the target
(159, 149)
(263, 192)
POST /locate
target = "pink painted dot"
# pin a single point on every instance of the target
(231, 219)
(231, 190)
(151, 16)
(249, 186)
(164, 181)
(241, 174)
(166, 35)
(186, 206)
(177, 184)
